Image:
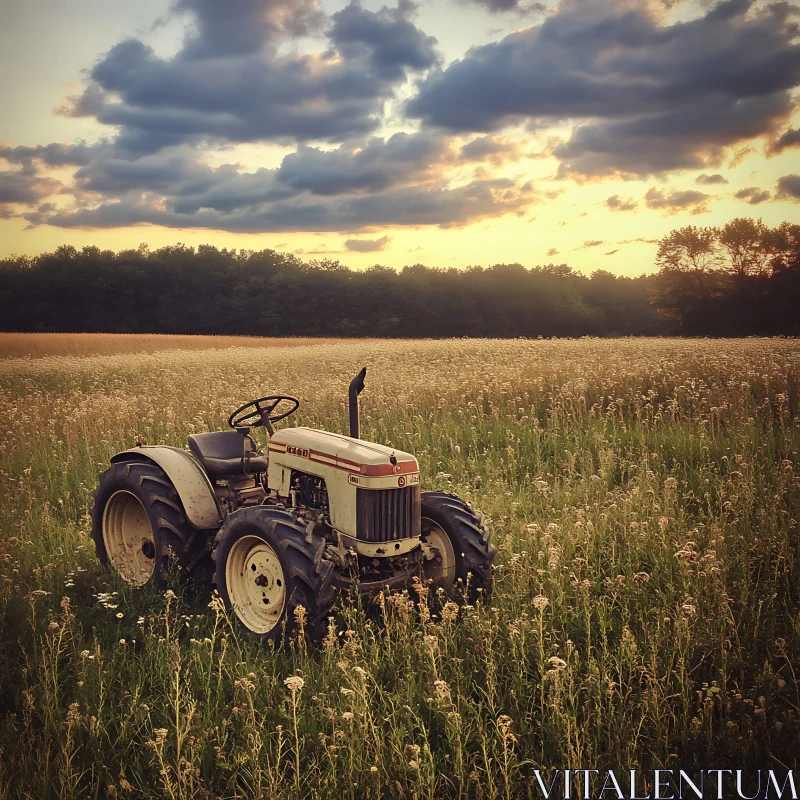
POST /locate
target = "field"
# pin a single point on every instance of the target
(645, 497)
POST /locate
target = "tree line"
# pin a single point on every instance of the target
(742, 279)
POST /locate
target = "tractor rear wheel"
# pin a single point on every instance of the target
(462, 541)
(138, 524)
(267, 566)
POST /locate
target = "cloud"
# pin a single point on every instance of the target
(677, 200)
(262, 210)
(21, 188)
(790, 138)
(367, 245)
(616, 203)
(56, 154)
(710, 180)
(593, 243)
(611, 252)
(652, 97)
(364, 182)
(231, 82)
(495, 149)
(239, 27)
(372, 164)
(552, 252)
(788, 188)
(504, 6)
(753, 195)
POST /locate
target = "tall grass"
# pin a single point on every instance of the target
(645, 496)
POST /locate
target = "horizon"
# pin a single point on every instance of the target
(530, 133)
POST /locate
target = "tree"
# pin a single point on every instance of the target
(690, 249)
(745, 242)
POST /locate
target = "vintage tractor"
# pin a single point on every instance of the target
(317, 513)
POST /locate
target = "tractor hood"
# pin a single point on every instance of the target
(343, 452)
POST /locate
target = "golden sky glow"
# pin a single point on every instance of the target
(526, 187)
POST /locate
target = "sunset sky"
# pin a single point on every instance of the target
(449, 132)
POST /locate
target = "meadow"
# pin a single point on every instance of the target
(644, 496)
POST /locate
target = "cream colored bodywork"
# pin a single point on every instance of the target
(189, 479)
(342, 462)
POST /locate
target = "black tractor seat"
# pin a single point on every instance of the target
(222, 454)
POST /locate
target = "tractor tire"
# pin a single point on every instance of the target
(463, 542)
(139, 525)
(267, 566)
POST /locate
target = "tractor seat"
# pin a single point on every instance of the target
(220, 452)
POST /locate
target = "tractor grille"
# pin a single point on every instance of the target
(384, 515)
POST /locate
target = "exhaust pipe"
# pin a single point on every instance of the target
(356, 387)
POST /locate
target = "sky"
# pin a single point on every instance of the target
(448, 132)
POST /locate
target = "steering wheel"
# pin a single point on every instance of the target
(258, 413)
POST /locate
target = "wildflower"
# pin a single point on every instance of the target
(557, 663)
(442, 691)
(345, 691)
(123, 641)
(294, 684)
(160, 734)
(53, 626)
(120, 615)
(671, 483)
(247, 685)
(504, 723)
(140, 621)
(73, 714)
(347, 716)
(540, 602)
(84, 654)
(373, 769)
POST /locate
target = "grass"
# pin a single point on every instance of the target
(645, 496)
(40, 345)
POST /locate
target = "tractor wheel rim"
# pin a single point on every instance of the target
(441, 570)
(128, 538)
(256, 584)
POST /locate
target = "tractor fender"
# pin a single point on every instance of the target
(188, 477)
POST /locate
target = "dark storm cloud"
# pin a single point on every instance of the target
(367, 245)
(656, 97)
(676, 201)
(753, 195)
(616, 203)
(790, 138)
(710, 180)
(230, 82)
(404, 205)
(788, 188)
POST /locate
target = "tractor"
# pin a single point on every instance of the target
(314, 514)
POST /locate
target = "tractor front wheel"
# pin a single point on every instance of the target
(268, 566)
(463, 552)
(138, 523)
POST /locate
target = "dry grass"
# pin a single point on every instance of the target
(40, 345)
(645, 496)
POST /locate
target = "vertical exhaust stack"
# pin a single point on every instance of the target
(356, 387)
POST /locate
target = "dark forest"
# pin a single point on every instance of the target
(739, 280)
